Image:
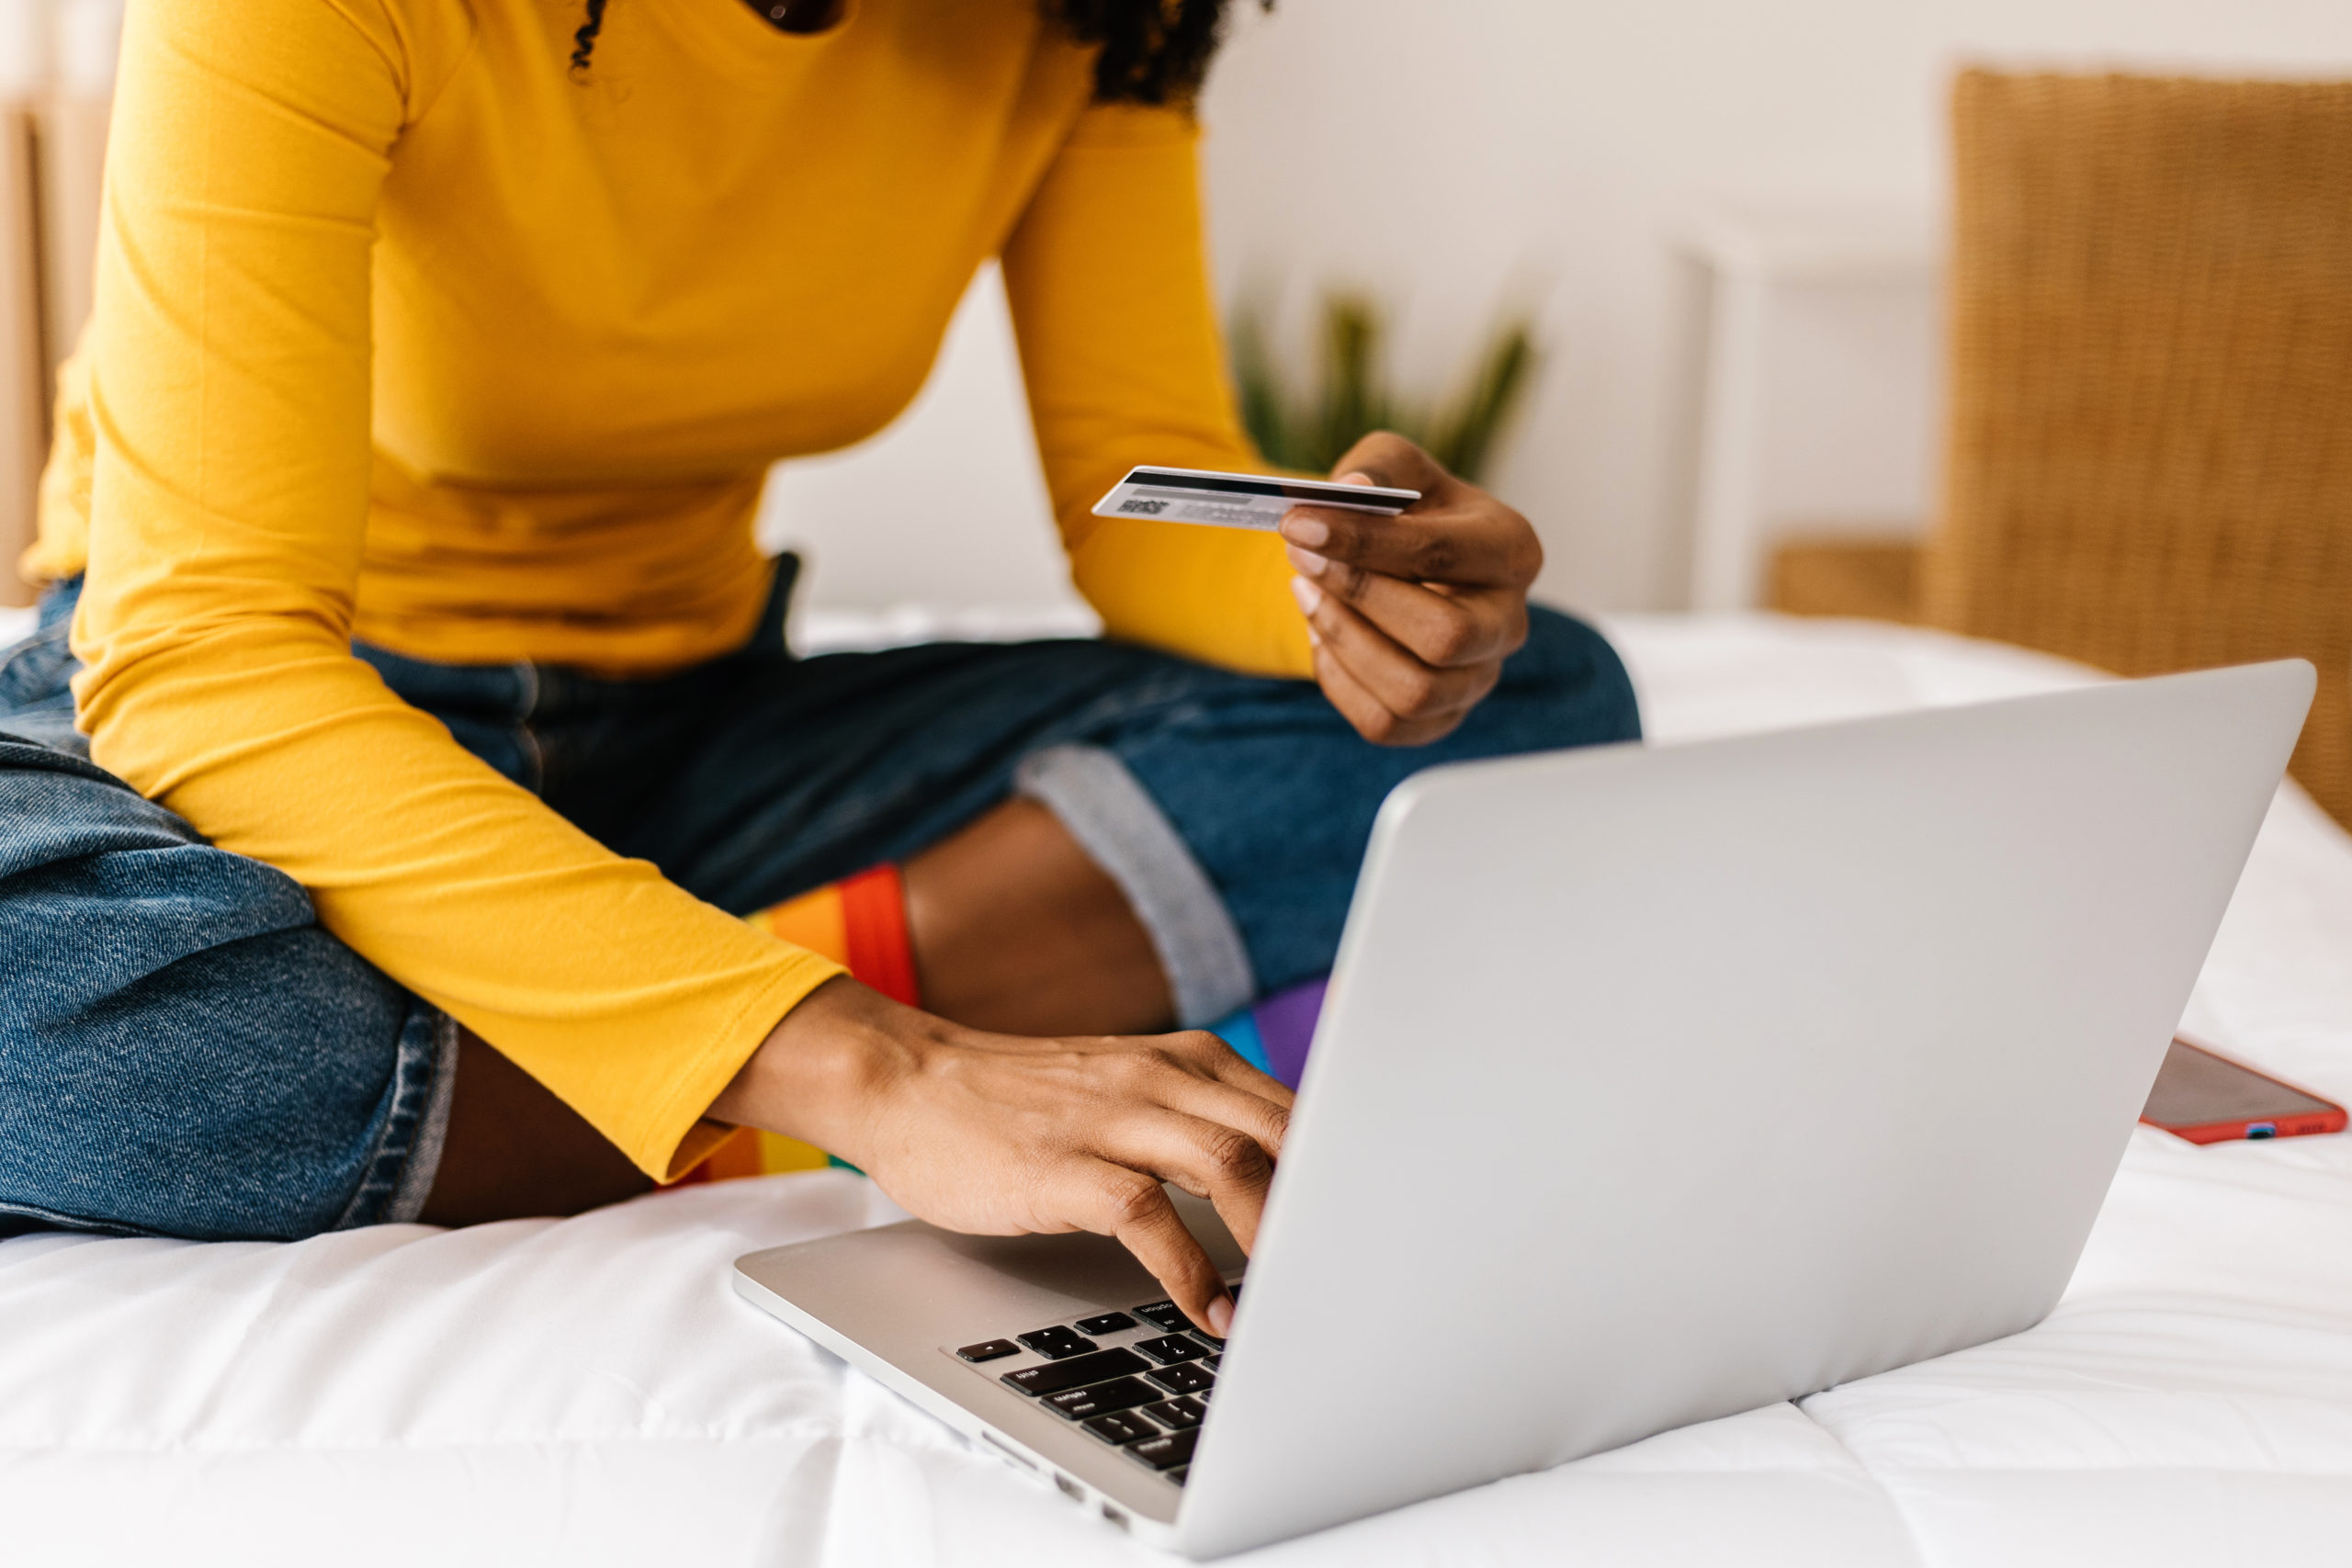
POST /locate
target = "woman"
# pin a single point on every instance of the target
(437, 715)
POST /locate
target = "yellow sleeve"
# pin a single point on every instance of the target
(1107, 273)
(228, 389)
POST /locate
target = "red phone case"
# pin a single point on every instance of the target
(2331, 1119)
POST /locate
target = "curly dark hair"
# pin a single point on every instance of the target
(1154, 52)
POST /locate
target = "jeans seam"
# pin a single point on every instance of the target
(528, 692)
(424, 1162)
(59, 1220)
(424, 1043)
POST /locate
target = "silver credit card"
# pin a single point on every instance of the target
(1238, 500)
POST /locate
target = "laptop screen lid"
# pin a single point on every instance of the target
(1711, 1053)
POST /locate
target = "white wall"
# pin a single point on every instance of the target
(1434, 151)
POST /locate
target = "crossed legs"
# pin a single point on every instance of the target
(233, 1071)
(1013, 929)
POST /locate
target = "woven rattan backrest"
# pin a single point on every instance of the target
(2150, 445)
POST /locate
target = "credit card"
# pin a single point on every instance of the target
(1238, 500)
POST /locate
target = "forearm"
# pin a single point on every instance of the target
(996, 1134)
(629, 998)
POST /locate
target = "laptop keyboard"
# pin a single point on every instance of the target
(1138, 1379)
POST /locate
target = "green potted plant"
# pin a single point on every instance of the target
(1310, 428)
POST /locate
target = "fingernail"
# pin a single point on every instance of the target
(1357, 477)
(1308, 561)
(1308, 531)
(1221, 1317)
(1310, 597)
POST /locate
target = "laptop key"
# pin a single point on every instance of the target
(1102, 1398)
(1164, 1453)
(1170, 1349)
(1185, 1377)
(1179, 1414)
(1211, 1340)
(1057, 1343)
(1109, 1323)
(989, 1350)
(1178, 1475)
(1121, 1428)
(1056, 1376)
(1165, 1314)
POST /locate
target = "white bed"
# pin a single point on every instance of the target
(589, 1391)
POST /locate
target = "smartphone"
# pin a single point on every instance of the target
(2206, 1097)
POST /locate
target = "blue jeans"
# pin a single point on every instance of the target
(185, 1051)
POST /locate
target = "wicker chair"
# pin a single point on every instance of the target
(2150, 459)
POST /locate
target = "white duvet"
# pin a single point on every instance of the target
(591, 1391)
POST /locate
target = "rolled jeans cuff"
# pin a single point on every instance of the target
(1125, 833)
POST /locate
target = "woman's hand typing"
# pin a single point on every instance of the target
(999, 1134)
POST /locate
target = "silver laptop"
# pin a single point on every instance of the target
(1653, 1085)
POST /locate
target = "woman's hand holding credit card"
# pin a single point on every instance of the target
(1414, 595)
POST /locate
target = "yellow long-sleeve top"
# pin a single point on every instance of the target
(406, 333)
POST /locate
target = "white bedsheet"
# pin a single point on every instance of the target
(589, 1391)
